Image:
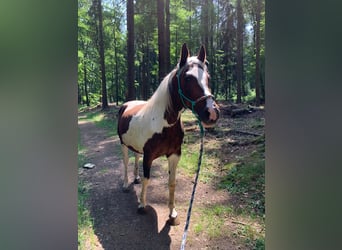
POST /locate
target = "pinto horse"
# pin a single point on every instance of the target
(154, 128)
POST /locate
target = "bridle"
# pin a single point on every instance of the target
(183, 97)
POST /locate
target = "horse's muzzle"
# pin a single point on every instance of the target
(210, 115)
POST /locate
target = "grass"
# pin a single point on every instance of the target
(191, 148)
(212, 221)
(86, 235)
(246, 178)
(218, 221)
(251, 236)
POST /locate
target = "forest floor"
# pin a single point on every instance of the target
(227, 212)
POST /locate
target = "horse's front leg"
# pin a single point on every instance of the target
(173, 161)
(147, 162)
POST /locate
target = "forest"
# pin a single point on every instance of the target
(125, 48)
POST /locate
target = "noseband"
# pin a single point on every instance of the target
(183, 97)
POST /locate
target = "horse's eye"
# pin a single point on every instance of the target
(187, 78)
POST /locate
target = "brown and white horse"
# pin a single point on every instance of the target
(154, 128)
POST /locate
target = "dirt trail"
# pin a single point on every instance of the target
(116, 222)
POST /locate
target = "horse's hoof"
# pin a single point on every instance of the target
(141, 210)
(137, 181)
(173, 221)
(125, 189)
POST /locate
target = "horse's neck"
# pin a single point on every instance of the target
(176, 107)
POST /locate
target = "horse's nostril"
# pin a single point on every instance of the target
(212, 114)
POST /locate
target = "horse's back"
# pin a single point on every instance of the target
(131, 108)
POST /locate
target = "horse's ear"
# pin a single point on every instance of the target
(184, 55)
(201, 55)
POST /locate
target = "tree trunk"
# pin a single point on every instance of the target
(116, 71)
(239, 56)
(79, 96)
(161, 39)
(257, 54)
(190, 45)
(205, 24)
(130, 50)
(102, 57)
(167, 36)
(85, 83)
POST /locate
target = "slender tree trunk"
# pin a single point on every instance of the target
(205, 24)
(161, 39)
(102, 57)
(116, 71)
(239, 64)
(167, 36)
(257, 54)
(146, 78)
(130, 50)
(210, 50)
(190, 25)
(85, 83)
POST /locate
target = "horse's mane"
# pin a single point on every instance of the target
(161, 99)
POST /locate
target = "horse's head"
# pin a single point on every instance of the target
(193, 87)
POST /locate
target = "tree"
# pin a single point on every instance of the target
(98, 7)
(257, 53)
(161, 40)
(130, 50)
(239, 51)
(167, 36)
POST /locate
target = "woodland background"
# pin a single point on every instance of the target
(125, 48)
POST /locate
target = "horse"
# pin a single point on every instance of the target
(154, 128)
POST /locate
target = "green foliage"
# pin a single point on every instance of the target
(191, 22)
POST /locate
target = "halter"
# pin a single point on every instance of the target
(193, 103)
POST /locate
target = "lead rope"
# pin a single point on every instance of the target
(193, 103)
(194, 189)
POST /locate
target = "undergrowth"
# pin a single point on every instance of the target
(246, 178)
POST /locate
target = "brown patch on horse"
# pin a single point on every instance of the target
(168, 142)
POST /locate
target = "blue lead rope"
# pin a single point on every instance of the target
(193, 103)
(193, 190)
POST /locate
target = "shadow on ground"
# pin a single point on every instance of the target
(118, 225)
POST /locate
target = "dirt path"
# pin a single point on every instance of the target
(116, 222)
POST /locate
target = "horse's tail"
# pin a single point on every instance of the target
(121, 110)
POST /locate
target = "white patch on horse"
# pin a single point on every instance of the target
(199, 73)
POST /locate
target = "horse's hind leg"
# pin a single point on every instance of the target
(125, 161)
(136, 169)
(173, 161)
